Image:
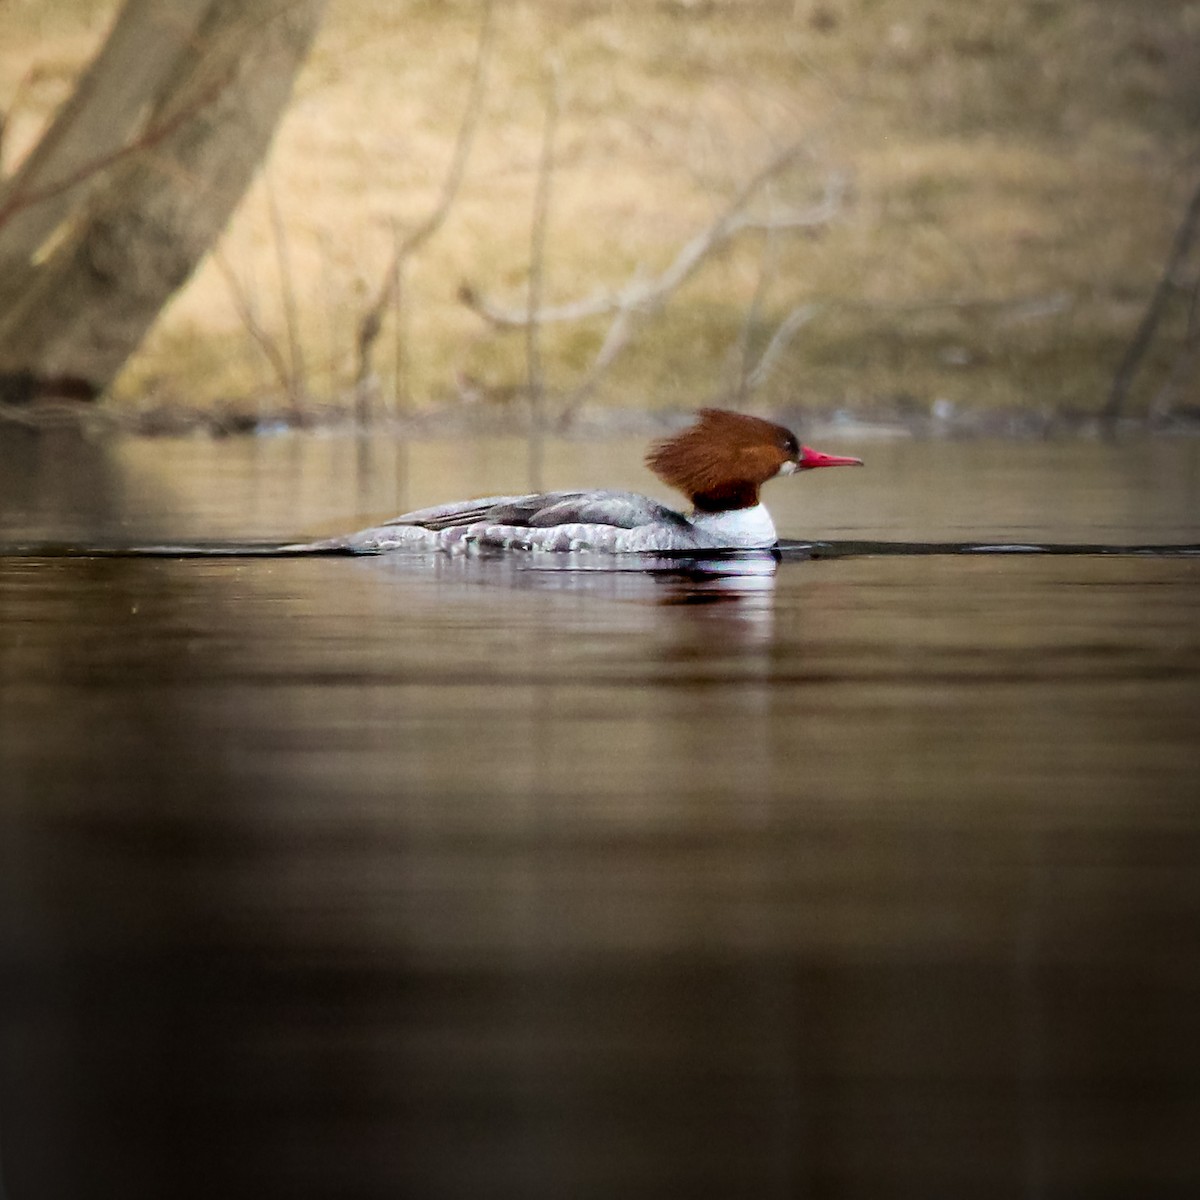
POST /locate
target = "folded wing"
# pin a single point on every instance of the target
(539, 510)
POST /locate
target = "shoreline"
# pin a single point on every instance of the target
(899, 418)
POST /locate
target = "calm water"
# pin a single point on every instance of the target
(871, 877)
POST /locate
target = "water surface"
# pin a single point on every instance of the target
(859, 877)
(1139, 489)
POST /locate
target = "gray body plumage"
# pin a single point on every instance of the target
(607, 521)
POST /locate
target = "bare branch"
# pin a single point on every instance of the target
(647, 296)
(780, 340)
(619, 333)
(1011, 308)
(615, 340)
(643, 296)
(1184, 366)
(1144, 337)
(250, 322)
(599, 304)
(766, 271)
(537, 262)
(331, 298)
(298, 374)
(399, 330)
(371, 322)
(1182, 369)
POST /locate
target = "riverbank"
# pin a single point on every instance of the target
(979, 205)
(902, 418)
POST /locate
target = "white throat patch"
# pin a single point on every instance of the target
(738, 528)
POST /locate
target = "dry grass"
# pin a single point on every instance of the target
(1016, 172)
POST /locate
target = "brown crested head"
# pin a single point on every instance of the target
(724, 458)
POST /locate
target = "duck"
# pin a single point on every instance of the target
(720, 463)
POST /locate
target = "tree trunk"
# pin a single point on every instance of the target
(133, 230)
(103, 114)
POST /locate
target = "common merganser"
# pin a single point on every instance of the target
(720, 463)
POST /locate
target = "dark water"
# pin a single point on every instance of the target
(862, 877)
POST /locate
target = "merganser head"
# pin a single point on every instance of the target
(725, 457)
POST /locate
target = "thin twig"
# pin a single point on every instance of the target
(330, 296)
(1144, 336)
(371, 322)
(615, 340)
(250, 322)
(766, 273)
(399, 332)
(1011, 307)
(1184, 366)
(537, 271)
(298, 373)
(780, 340)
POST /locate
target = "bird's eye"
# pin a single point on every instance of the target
(790, 444)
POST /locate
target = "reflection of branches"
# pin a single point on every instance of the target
(389, 289)
(1144, 337)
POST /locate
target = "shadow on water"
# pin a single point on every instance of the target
(855, 876)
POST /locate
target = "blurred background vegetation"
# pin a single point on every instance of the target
(994, 191)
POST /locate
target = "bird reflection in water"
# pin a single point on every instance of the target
(734, 576)
(746, 579)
